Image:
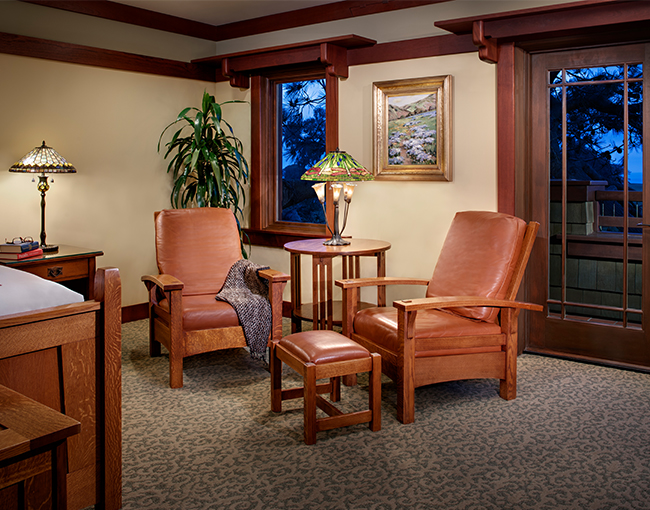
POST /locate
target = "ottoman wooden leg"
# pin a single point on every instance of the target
(310, 403)
(375, 392)
(275, 366)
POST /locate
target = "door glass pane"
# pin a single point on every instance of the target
(301, 145)
(595, 74)
(595, 165)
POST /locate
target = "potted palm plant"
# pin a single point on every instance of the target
(207, 161)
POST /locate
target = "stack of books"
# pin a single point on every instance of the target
(20, 251)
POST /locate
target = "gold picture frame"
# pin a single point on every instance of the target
(412, 129)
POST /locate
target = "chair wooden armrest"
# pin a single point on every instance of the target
(165, 282)
(379, 280)
(274, 276)
(409, 305)
(351, 288)
(408, 308)
(277, 281)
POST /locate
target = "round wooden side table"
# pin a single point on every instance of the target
(323, 311)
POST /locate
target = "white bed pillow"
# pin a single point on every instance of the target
(24, 292)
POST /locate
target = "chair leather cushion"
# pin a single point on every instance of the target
(197, 246)
(205, 312)
(379, 325)
(322, 346)
(478, 258)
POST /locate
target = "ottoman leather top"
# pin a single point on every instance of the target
(322, 346)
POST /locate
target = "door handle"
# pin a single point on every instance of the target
(643, 225)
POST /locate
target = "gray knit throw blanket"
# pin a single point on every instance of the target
(247, 293)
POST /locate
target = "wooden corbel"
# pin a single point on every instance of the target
(335, 58)
(237, 79)
(487, 47)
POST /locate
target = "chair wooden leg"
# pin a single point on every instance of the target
(335, 394)
(275, 366)
(405, 401)
(375, 393)
(176, 341)
(350, 380)
(175, 371)
(154, 348)
(310, 403)
(508, 385)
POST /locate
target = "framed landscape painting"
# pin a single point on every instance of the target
(412, 135)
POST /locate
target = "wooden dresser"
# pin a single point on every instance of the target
(69, 359)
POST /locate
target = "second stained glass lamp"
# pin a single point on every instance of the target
(341, 170)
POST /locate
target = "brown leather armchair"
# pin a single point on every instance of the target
(195, 249)
(466, 326)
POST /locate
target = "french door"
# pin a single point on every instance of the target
(587, 189)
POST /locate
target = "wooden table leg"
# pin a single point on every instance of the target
(381, 271)
(323, 285)
(59, 475)
(296, 322)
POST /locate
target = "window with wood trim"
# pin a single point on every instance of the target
(294, 123)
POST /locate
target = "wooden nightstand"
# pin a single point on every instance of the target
(71, 266)
(33, 439)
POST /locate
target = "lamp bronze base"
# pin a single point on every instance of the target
(336, 241)
(49, 248)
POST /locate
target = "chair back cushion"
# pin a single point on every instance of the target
(478, 258)
(197, 246)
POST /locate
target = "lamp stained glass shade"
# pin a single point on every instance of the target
(337, 166)
(43, 159)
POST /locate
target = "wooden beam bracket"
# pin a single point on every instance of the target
(487, 47)
(335, 58)
(237, 79)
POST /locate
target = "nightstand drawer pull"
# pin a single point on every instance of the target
(55, 271)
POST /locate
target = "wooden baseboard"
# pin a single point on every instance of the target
(135, 312)
(141, 311)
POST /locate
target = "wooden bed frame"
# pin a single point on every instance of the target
(69, 358)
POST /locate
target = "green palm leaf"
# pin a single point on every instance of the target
(206, 161)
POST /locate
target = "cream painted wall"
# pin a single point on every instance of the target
(414, 216)
(106, 123)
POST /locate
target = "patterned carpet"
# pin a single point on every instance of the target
(576, 437)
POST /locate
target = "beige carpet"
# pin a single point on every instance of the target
(576, 437)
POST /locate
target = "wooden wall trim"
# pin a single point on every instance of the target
(506, 136)
(77, 54)
(461, 26)
(137, 312)
(413, 48)
(292, 19)
(204, 69)
(565, 25)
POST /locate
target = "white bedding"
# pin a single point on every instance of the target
(24, 292)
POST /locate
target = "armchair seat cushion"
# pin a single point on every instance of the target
(205, 312)
(380, 326)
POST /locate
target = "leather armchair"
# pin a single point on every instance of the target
(195, 249)
(466, 325)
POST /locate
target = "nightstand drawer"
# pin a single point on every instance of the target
(59, 270)
(73, 267)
